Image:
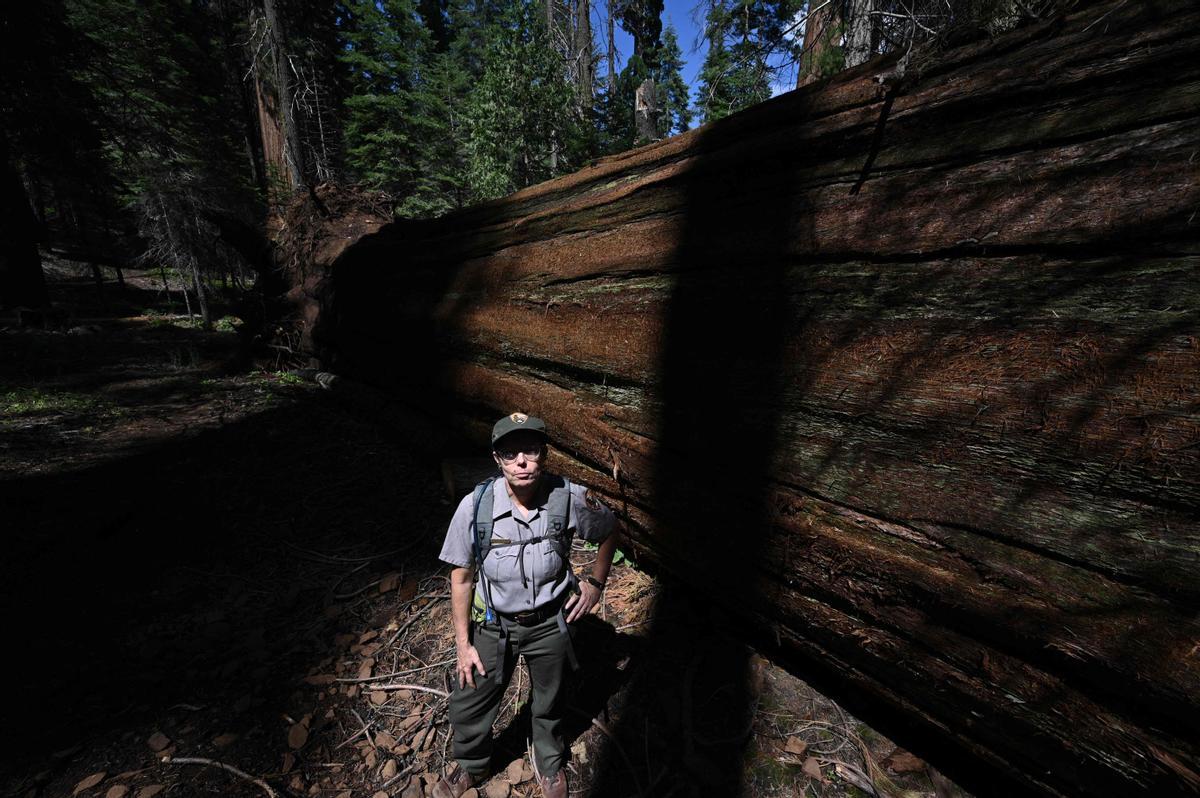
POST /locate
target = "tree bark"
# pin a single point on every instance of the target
(859, 28)
(585, 68)
(201, 298)
(818, 31)
(906, 384)
(645, 112)
(612, 50)
(293, 156)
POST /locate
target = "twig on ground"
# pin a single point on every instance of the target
(853, 775)
(402, 774)
(358, 592)
(385, 676)
(418, 687)
(212, 763)
(364, 730)
(333, 589)
(416, 615)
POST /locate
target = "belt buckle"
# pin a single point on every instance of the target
(524, 617)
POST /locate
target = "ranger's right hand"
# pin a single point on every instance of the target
(468, 661)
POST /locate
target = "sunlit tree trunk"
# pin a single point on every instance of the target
(277, 37)
(858, 32)
(585, 69)
(818, 31)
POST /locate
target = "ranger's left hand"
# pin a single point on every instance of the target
(581, 603)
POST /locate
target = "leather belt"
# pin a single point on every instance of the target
(534, 617)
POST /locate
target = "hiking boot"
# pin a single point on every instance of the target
(455, 783)
(555, 786)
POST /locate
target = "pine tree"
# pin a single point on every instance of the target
(392, 114)
(170, 129)
(522, 126)
(674, 99)
(748, 48)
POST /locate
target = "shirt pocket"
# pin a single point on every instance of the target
(554, 557)
(501, 566)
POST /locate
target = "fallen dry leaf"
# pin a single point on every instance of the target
(289, 761)
(345, 794)
(149, 791)
(514, 770)
(381, 794)
(796, 746)
(812, 769)
(471, 793)
(413, 790)
(497, 788)
(901, 761)
(389, 769)
(297, 736)
(384, 740)
(117, 791)
(158, 742)
(88, 783)
(389, 582)
(409, 590)
(379, 697)
(364, 670)
(225, 740)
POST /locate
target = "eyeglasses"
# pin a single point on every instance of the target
(532, 452)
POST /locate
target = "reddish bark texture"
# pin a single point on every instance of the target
(908, 382)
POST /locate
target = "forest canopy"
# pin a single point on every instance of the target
(162, 132)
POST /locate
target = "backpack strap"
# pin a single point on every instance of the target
(481, 519)
(481, 537)
(558, 509)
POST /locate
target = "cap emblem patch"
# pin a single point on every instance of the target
(519, 418)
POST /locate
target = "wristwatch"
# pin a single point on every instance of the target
(594, 581)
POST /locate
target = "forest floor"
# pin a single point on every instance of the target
(213, 566)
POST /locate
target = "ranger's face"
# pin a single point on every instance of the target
(520, 456)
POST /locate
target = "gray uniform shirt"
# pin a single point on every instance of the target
(547, 564)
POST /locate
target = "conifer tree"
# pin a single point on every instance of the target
(170, 130)
(675, 113)
(748, 48)
(522, 126)
(392, 114)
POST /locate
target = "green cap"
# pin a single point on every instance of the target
(517, 422)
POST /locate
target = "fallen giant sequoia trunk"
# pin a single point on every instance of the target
(905, 375)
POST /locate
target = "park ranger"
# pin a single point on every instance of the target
(515, 532)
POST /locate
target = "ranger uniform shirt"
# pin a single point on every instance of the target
(547, 564)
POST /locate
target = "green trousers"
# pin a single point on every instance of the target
(473, 710)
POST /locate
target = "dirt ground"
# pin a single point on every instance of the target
(222, 582)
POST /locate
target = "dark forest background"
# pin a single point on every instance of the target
(162, 133)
